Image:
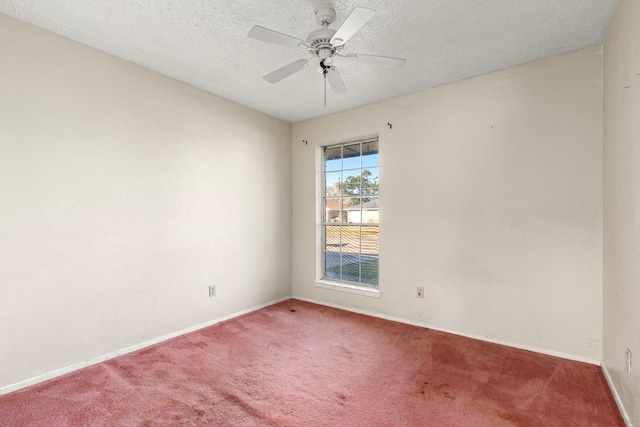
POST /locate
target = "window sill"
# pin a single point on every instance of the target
(347, 288)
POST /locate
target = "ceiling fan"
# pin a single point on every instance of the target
(325, 44)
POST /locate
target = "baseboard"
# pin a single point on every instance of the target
(450, 331)
(94, 361)
(616, 396)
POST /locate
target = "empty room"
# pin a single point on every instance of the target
(319, 213)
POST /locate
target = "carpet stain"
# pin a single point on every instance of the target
(342, 399)
(345, 352)
(175, 411)
(190, 413)
(426, 390)
(242, 404)
(441, 386)
(448, 396)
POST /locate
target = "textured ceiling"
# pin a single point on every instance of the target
(204, 42)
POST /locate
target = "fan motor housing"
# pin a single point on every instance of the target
(320, 42)
(320, 36)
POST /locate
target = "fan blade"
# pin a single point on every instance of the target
(335, 81)
(356, 19)
(286, 71)
(382, 61)
(270, 36)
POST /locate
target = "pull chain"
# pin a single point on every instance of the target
(325, 88)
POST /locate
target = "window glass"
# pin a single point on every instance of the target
(370, 154)
(351, 159)
(333, 159)
(332, 183)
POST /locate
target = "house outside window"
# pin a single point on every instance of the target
(351, 214)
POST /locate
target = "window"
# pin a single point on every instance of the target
(350, 217)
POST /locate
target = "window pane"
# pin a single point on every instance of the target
(351, 206)
(370, 239)
(351, 183)
(370, 210)
(370, 270)
(351, 239)
(351, 156)
(332, 183)
(333, 158)
(370, 154)
(333, 210)
(332, 265)
(370, 181)
(332, 238)
(351, 268)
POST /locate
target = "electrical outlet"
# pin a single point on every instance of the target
(212, 291)
(628, 361)
(420, 292)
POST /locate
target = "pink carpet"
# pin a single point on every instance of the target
(301, 364)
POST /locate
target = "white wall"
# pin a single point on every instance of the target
(123, 195)
(622, 204)
(490, 199)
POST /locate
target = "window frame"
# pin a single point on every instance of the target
(359, 288)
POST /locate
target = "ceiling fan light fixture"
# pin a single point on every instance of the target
(325, 53)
